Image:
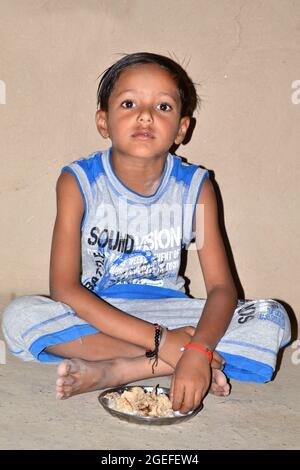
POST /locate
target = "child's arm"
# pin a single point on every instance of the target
(220, 287)
(65, 283)
(192, 374)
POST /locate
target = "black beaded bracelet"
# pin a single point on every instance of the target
(154, 353)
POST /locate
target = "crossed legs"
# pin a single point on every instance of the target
(100, 361)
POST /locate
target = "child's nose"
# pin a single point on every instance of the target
(145, 116)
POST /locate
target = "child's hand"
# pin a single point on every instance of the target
(190, 381)
(170, 351)
(218, 361)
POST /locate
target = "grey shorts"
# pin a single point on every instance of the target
(250, 345)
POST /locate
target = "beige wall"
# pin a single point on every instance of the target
(245, 55)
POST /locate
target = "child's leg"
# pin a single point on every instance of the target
(36, 326)
(96, 347)
(33, 323)
(77, 376)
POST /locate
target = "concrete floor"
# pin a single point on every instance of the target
(253, 417)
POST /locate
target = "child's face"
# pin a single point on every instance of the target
(143, 117)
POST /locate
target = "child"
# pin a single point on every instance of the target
(123, 216)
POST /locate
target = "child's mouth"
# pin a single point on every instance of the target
(143, 135)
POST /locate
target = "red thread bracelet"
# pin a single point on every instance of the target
(202, 349)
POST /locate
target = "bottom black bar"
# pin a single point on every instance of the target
(136, 458)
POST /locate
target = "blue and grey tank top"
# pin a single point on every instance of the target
(130, 243)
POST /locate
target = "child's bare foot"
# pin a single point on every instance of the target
(219, 384)
(78, 376)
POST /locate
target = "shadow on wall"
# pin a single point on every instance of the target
(240, 290)
(238, 284)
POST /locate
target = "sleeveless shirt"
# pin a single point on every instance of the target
(130, 243)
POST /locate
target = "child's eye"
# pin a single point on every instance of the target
(164, 107)
(128, 104)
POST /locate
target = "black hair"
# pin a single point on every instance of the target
(188, 94)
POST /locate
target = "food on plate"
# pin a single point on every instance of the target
(138, 401)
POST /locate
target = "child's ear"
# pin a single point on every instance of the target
(183, 127)
(101, 123)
